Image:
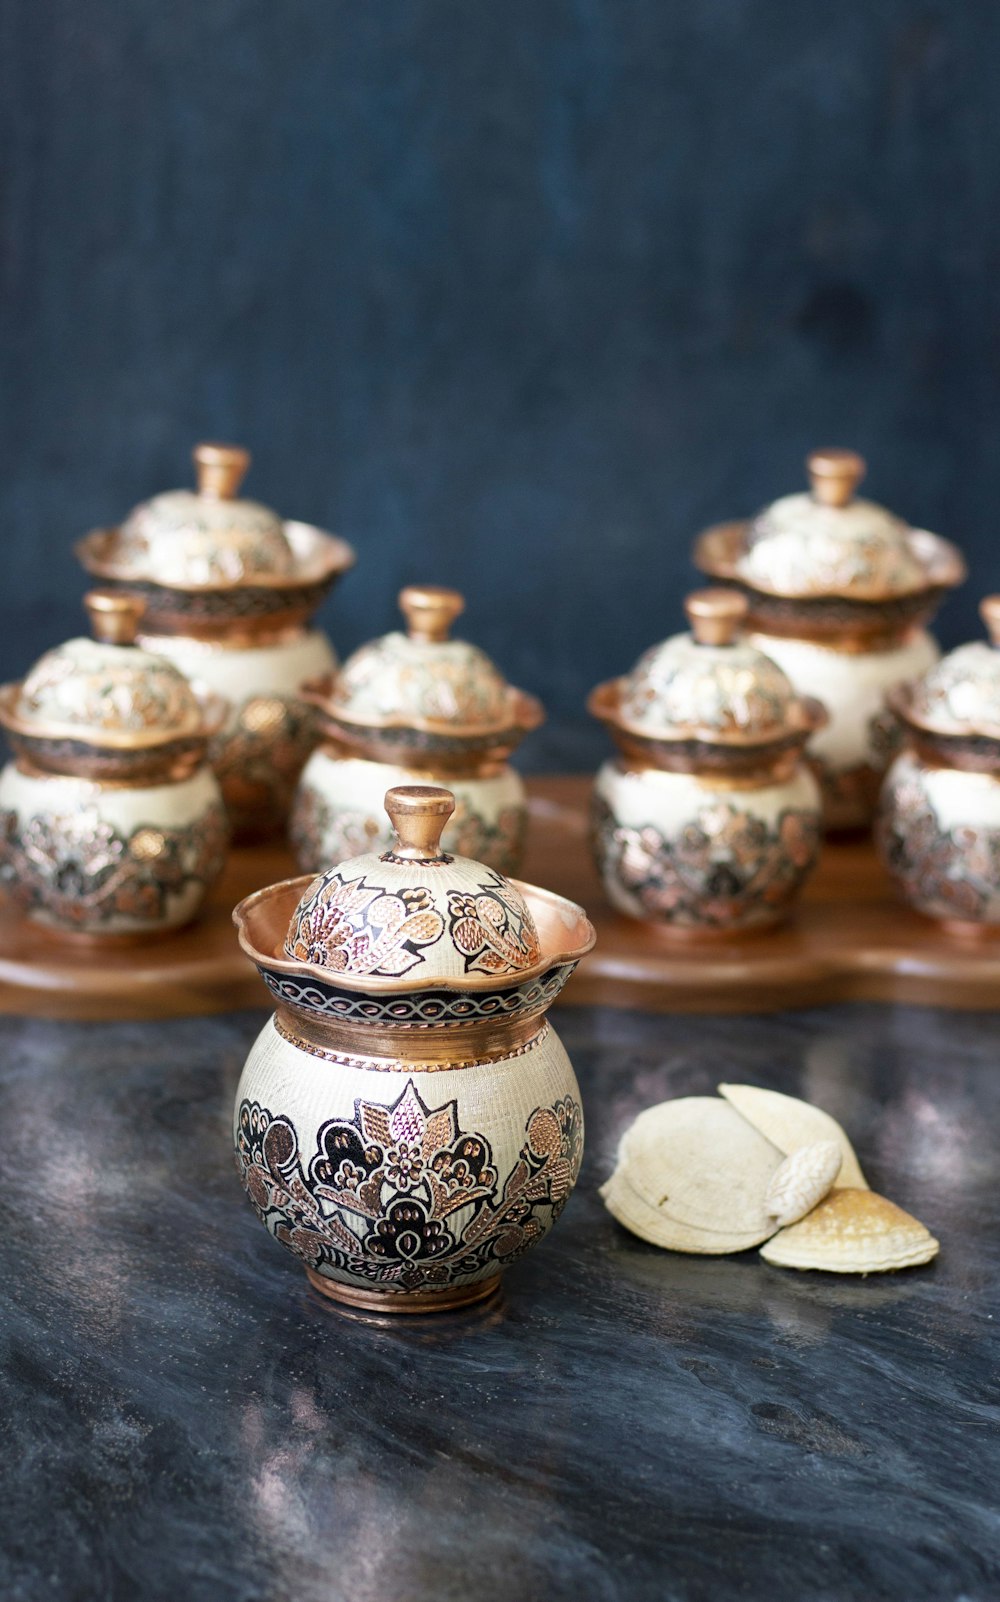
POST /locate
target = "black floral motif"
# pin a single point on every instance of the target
(354, 926)
(726, 870)
(400, 1196)
(86, 875)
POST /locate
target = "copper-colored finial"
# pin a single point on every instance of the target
(835, 474)
(430, 610)
(114, 615)
(716, 616)
(989, 611)
(221, 470)
(418, 813)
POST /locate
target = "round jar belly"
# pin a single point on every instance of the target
(852, 752)
(700, 857)
(338, 812)
(260, 753)
(106, 860)
(938, 832)
(407, 1184)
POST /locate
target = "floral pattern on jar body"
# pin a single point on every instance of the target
(938, 832)
(699, 856)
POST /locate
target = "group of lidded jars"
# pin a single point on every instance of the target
(808, 671)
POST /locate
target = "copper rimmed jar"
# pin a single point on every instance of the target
(112, 820)
(938, 827)
(708, 820)
(839, 592)
(415, 708)
(229, 588)
(408, 1122)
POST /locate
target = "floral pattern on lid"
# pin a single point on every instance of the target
(423, 678)
(708, 684)
(206, 536)
(107, 688)
(830, 542)
(414, 911)
(961, 693)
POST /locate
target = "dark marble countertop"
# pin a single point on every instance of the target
(183, 1418)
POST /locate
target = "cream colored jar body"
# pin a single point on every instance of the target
(938, 833)
(103, 859)
(270, 732)
(852, 751)
(702, 856)
(338, 812)
(396, 1179)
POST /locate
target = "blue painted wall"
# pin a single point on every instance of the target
(515, 296)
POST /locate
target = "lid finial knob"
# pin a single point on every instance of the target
(114, 615)
(418, 814)
(430, 611)
(221, 470)
(834, 475)
(716, 616)
(989, 611)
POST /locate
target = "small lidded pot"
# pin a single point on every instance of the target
(408, 1123)
(415, 708)
(112, 820)
(229, 587)
(839, 590)
(708, 821)
(938, 827)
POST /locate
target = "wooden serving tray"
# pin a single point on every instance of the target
(850, 941)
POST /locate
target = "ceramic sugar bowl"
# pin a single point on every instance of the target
(229, 587)
(839, 591)
(112, 820)
(938, 827)
(414, 708)
(708, 821)
(408, 1123)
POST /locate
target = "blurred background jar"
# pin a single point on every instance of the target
(112, 819)
(229, 588)
(415, 708)
(708, 820)
(839, 591)
(938, 827)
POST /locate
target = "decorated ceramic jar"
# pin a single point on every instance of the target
(111, 819)
(408, 1122)
(415, 708)
(839, 591)
(229, 587)
(938, 826)
(708, 820)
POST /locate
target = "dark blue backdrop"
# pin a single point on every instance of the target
(515, 296)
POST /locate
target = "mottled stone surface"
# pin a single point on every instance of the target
(183, 1418)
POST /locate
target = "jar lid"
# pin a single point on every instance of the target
(105, 691)
(414, 912)
(960, 695)
(426, 681)
(829, 542)
(208, 535)
(709, 685)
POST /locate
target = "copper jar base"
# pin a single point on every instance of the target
(430, 1301)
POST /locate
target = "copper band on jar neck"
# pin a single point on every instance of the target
(434, 1049)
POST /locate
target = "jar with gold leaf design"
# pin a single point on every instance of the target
(416, 708)
(113, 825)
(707, 822)
(408, 1123)
(839, 592)
(229, 588)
